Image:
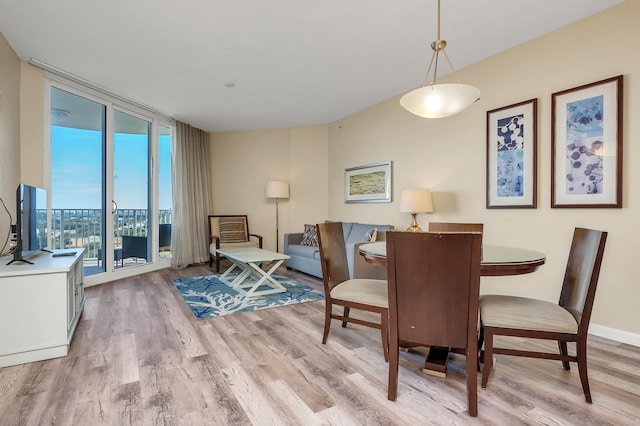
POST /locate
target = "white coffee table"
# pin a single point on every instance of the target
(251, 277)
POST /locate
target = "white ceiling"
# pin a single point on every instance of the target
(293, 62)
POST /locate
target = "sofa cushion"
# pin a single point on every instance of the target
(309, 236)
(312, 252)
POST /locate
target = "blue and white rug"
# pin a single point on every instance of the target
(209, 297)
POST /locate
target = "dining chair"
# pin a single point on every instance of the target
(455, 227)
(567, 321)
(363, 294)
(434, 285)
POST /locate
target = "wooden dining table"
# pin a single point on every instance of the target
(496, 260)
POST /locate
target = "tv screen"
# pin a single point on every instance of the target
(31, 222)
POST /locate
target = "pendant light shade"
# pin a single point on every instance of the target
(439, 100)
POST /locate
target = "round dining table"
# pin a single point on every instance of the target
(496, 261)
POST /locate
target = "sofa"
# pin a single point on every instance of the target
(306, 258)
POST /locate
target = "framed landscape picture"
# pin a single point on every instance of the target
(586, 145)
(512, 156)
(368, 184)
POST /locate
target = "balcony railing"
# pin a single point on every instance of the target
(84, 227)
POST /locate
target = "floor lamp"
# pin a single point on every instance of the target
(279, 190)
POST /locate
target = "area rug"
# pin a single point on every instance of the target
(208, 297)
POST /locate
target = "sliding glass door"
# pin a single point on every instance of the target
(109, 194)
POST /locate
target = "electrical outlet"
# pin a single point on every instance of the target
(14, 236)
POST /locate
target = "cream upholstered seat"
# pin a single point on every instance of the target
(526, 314)
(363, 294)
(229, 231)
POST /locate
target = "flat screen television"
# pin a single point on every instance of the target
(31, 222)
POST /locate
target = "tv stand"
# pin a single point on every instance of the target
(40, 307)
(20, 260)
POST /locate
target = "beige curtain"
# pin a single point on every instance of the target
(191, 196)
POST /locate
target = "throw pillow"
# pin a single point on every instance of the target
(310, 236)
(371, 236)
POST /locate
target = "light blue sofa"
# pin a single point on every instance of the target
(307, 258)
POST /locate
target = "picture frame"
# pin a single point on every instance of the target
(586, 145)
(512, 156)
(370, 183)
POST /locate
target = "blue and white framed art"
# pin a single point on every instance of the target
(586, 145)
(512, 146)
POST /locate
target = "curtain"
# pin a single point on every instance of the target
(191, 196)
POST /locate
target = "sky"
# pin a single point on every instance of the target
(76, 175)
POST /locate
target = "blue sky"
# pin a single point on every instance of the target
(76, 175)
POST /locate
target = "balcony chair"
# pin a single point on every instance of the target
(434, 285)
(567, 321)
(164, 236)
(134, 247)
(229, 231)
(363, 294)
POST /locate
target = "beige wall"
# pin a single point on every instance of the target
(448, 156)
(9, 132)
(32, 164)
(244, 161)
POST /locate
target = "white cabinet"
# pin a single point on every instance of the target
(40, 305)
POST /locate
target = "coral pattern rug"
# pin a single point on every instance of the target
(208, 297)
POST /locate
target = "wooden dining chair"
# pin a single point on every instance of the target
(434, 284)
(455, 227)
(567, 321)
(363, 294)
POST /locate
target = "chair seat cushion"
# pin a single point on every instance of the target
(245, 244)
(525, 313)
(369, 292)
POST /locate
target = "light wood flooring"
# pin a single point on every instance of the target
(140, 357)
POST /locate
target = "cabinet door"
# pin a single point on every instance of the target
(71, 302)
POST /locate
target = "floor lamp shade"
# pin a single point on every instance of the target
(277, 189)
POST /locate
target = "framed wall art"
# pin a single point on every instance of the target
(368, 184)
(512, 156)
(586, 145)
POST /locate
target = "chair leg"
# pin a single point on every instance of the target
(487, 361)
(581, 349)
(346, 315)
(472, 381)
(564, 351)
(384, 328)
(327, 320)
(480, 343)
(210, 261)
(394, 355)
(217, 263)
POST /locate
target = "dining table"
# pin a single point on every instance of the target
(497, 260)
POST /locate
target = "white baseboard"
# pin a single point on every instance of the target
(615, 334)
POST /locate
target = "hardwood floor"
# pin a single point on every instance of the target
(139, 356)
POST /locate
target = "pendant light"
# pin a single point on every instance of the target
(439, 100)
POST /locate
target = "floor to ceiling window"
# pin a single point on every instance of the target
(110, 182)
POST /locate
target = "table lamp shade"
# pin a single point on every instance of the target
(277, 189)
(416, 201)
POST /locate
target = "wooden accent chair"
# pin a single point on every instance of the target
(229, 231)
(364, 294)
(434, 285)
(568, 321)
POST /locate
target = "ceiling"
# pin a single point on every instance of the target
(292, 62)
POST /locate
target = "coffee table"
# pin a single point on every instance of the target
(251, 277)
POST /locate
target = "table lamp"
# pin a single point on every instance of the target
(416, 201)
(279, 190)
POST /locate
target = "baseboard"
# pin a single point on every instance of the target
(615, 334)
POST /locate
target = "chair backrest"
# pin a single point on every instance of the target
(164, 235)
(134, 246)
(581, 275)
(333, 254)
(455, 227)
(434, 287)
(229, 228)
